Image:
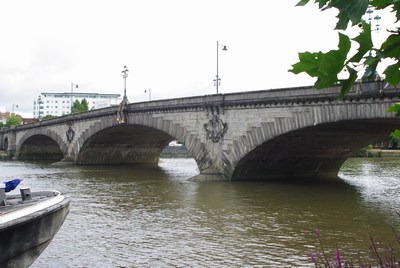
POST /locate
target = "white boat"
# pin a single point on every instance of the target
(28, 222)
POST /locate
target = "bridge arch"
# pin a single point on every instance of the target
(315, 145)
(140, 140)
(5, 143)
(123, 144)
(44, 144)
(8, 143)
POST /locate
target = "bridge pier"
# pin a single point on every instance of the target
(210, 174)
(8, 142)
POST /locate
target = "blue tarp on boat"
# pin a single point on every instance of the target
(11, 185)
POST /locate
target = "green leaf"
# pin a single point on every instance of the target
(302, 3)
(309, 63)
(322, 4)
(325, 66)
(370, 71)
(365, 42)
(330, 67)
(349, 82)
(392, 40)
(391, 47)
(396, 134)
(396, 9)
(394, 109)
(332, 63)
(344, 45)
(381, 4)
(349, 11)
(343, 21)
(392, 74)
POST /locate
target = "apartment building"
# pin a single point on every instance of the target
(59, 104)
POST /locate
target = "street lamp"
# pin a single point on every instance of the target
(217, 80)
(370, 74)
(125, 72)
(72, 91)
(16, 106)
(149, 91)
(376, 18)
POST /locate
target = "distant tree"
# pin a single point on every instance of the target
(85, 105)
(1, 124)
(395, 137)
(13, 120)
(49, 116)
(76, 107)
(326, 66)
(79, 107)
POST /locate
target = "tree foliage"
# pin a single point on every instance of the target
(80, 106)
(49, 116)
(13, 120)
(327, 66)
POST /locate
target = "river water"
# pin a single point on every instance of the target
(152, 216)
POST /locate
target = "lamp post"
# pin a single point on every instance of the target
(14, 105)
(217, 80)
(148, 91)
(370, 74)
(125, 72)
(72, 92)
(376, 18)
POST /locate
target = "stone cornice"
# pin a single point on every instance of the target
(242, 100)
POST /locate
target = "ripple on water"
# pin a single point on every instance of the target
(153, 217)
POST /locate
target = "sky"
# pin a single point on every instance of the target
(168, 46)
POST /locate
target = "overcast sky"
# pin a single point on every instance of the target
(167, 45)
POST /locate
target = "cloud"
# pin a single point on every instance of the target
(168, 46)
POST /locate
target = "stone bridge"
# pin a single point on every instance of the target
(281, 133)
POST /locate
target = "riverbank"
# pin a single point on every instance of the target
(182, 152)
(4, 155)
(377, 153)
(175, 152)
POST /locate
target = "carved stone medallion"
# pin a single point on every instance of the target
(70, 134)
(215, 128)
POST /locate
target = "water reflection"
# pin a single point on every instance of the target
(151, 216)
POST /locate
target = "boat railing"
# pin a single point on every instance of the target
(3, 196)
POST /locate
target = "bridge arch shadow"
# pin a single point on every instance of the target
(40, 147)
(311, 152)
(124, 144)
(5, 144)
(141, 140)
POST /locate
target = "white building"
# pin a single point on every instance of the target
(59, 104)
